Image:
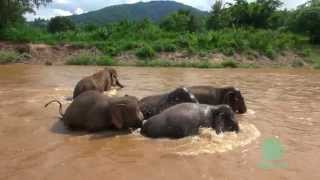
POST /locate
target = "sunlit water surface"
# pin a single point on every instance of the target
(283, 105)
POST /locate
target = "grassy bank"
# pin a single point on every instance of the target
(102, 60)
(147, 40)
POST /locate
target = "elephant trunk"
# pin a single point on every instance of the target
(119, 84)
(242, 108)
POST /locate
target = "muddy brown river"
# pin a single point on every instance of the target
(279, 137)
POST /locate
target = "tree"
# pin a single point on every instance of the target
(242, 13)
(182, 21)
(308, 22)
(60, 24)
(11, 11)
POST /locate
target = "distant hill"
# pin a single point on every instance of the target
(154, 10)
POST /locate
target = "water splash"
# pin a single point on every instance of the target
(208, 142)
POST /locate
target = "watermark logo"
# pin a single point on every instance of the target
(272, 153)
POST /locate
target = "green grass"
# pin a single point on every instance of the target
(9, 57)
(314, 56)
(115, 38)
(85, 58)
(229, 64)
(200, 64)
(145, 52)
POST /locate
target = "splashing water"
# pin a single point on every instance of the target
(208, 142)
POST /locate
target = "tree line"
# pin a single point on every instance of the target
(259, 14)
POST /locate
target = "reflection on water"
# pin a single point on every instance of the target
(35, 145)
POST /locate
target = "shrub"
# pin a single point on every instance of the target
(270, 53)
(145, 52)
(60, 24)
(83, 58)
(229, 64)
(86, 58)
(9, 57)
(297, 63)
(105, 61)
(306, 52)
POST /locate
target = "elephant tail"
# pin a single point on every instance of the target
(60, 106)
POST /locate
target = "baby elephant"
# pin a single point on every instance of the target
(153, 105)
(100, 81)
(92, 111)
(185, 119)
(216, 96)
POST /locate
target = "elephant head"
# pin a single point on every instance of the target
(126, 113)
(180, 95)
(223, 119)
(113, 77)
(234, 98)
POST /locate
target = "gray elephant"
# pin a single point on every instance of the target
(185, 119)
(153, 105)
(216, 96)
(92, 111)
(100, 81)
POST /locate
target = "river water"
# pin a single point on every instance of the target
(279, 138)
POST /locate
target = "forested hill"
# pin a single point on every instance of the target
(154, 10)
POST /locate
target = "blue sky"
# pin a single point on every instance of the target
(69, 7)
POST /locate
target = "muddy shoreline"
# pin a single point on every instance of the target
(60, 54)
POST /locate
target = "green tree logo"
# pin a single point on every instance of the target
(272, 152)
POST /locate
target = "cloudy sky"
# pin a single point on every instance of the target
(69, 7)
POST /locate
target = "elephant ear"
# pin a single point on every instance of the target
(229, 98)
(182, 94)
(117, 115)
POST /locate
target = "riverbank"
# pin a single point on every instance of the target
(68, 54)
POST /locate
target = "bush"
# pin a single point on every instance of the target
(86, 58)
(60, 24)
(229, 64)
(9, 57)
(297, 63)
(83, 58)
(105, 61)
(145, 52)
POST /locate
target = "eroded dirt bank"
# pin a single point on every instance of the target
(60, 54)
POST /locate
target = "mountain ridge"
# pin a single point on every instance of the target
(153, 10)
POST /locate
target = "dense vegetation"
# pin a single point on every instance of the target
(256, 28)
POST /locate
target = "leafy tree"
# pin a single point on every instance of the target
(60, 24)
(11, 11)
(219, 17)
(243, 13)
(308, 22)
(41, 23)
(182, 21)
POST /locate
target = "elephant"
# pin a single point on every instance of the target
(155, 104)
(100, 81)
(92, 111)
(185, 119)
(217, 96)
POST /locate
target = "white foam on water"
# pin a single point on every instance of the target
(111, 93)
(208, 142)
(62, 89)
(250, 112)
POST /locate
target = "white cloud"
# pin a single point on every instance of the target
(61, 1)
(60, 12)
(79, 11)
